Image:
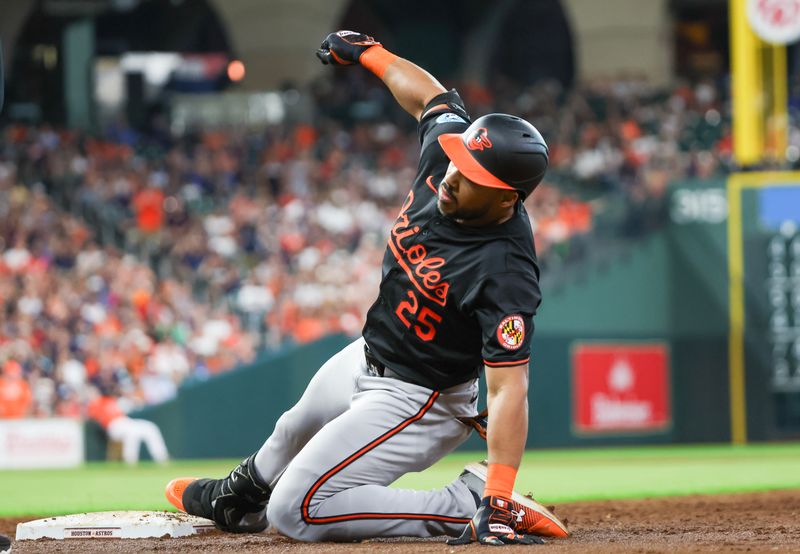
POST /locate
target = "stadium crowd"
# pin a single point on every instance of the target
(78, 314)
(236, 239)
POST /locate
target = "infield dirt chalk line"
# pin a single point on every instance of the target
(114, 525)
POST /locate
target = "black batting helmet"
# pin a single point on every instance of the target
(499, 151)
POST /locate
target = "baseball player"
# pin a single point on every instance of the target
(458, 293)
(132, 433)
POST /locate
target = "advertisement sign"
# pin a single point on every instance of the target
(40, 443)
(620, 387)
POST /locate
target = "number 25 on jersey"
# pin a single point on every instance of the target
(425, 319)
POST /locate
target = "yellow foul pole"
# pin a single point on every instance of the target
(779, 117)
(747, 89)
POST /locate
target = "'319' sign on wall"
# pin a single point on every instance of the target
(706, 205)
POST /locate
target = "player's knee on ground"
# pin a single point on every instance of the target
(285, 509)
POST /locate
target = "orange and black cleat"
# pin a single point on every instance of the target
(531, 518)
(175, 489)
(236, 504)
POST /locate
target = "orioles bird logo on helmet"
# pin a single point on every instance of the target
(479, 140)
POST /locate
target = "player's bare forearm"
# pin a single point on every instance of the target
(412, 86)
(507, 399)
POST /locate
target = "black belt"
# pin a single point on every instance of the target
(376, 368)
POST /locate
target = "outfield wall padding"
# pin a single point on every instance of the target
(231, 415)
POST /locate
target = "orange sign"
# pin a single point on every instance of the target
(621, 387)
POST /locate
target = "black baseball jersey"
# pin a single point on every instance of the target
(452, 297)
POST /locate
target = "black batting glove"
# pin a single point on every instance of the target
(344, 47)
(493, 524)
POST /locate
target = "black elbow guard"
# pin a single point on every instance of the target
(451, 99)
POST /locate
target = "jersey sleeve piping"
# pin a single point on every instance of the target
(506, 364)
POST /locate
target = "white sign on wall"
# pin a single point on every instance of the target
(40, 443)
(699, 206)
(775, 21)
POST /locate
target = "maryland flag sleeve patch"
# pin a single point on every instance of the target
(511, 332)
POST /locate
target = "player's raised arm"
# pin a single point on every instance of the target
(412, 86)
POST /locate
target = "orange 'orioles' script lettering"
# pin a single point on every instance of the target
(421, 269)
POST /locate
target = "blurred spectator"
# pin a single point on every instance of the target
(148, 204)
(15, 393)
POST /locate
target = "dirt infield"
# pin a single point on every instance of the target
(756, 522)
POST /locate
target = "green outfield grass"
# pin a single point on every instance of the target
(553, 475)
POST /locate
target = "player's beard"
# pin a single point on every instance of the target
(461, 215)
(450, 208)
